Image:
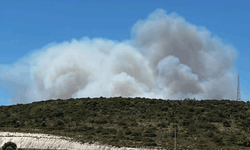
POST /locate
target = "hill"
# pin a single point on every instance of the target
(136, 122)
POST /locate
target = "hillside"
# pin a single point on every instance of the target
(136, 122)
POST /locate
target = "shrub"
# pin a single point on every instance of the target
(115, 139)
(81, 128)
(173, 133)
(232, 138)
(120, 135)
(108, 136)
(91, 121)
(150, 132)
(14, 119)
(60, 122)
(59, 112)
(247, 142)
(112, 130)
(148, 140)
(210, 134)
(226, 124)
(218, 139)
(215, 119)
(207, 126)
(162, 124)
(108, 131)
(136, 133)
(149, 135)
(99, 129)
(137, 138)
(134, 124)
(101, 121)
(197, 111)
(164, 108)
(245, 123)
(9, 146)
(240, 141)
(128, 132)
(17, 124)
(44, 118)
(122, 124)
(43, 124)
(248, 113)
(191, 110)
(34, 111)
(150, 144)
(185, 123)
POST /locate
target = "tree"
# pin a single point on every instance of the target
(9, 146)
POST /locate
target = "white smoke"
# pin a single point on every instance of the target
(166, 57)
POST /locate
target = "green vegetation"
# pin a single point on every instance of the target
(9, 146)
(136, 122)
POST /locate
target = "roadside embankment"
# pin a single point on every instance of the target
(46, 141)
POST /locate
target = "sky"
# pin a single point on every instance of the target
(178, 49)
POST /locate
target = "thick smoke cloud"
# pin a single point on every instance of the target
(166, 57)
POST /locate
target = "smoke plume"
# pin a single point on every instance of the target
(166, 57)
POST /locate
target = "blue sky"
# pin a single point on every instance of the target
(29, 25)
